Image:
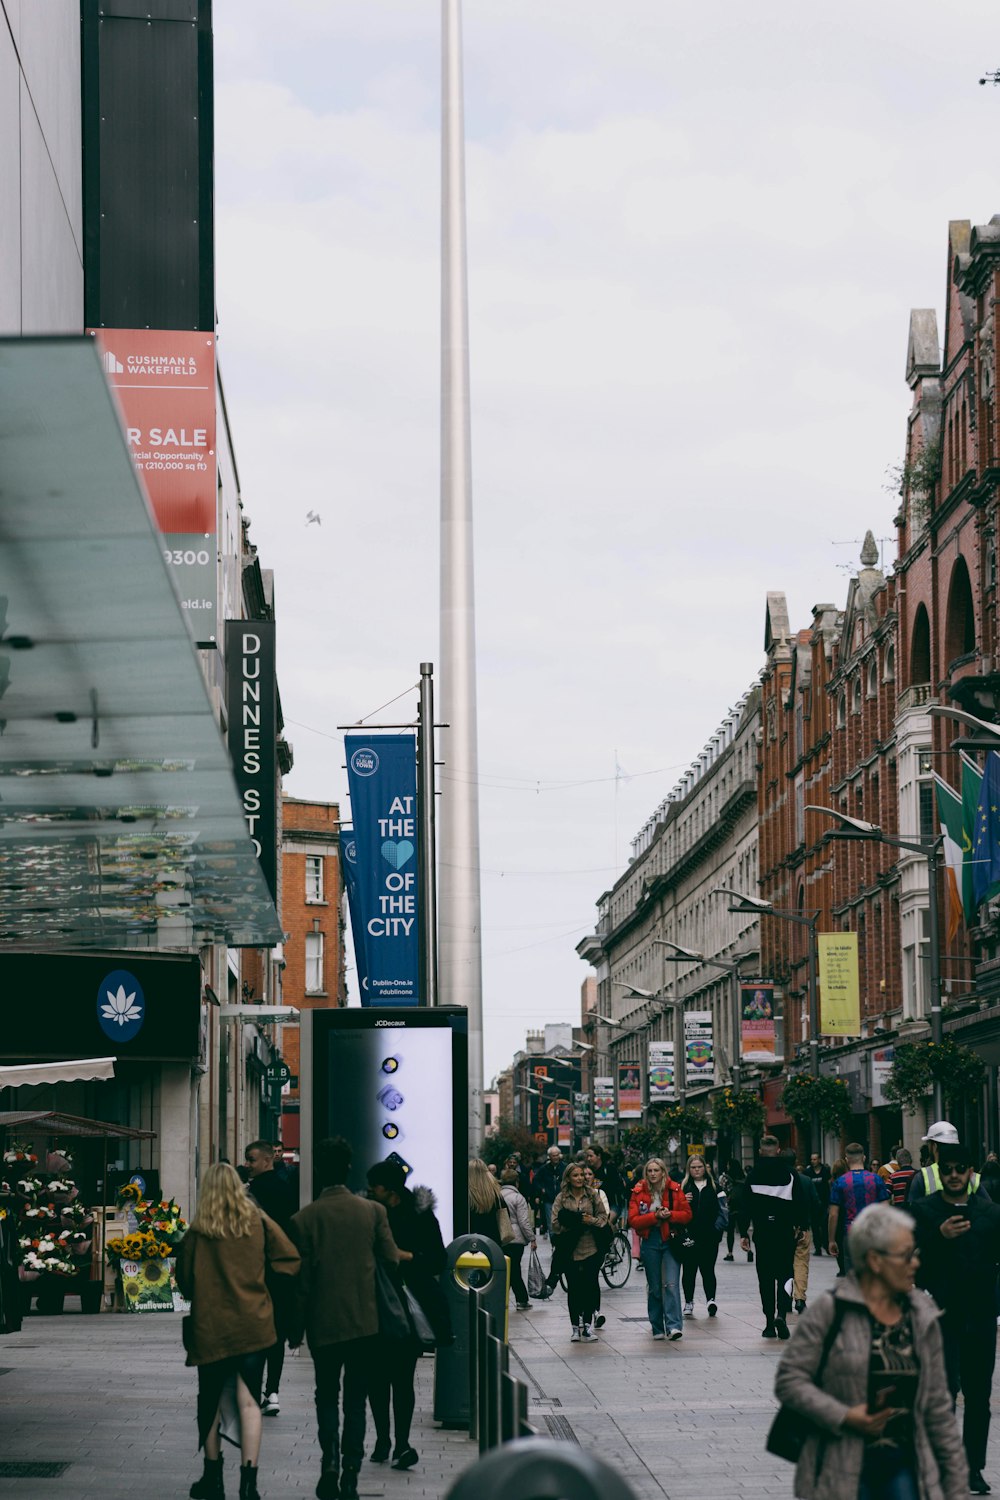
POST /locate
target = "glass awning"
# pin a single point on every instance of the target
(120, 822)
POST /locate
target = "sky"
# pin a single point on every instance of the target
(695, 237)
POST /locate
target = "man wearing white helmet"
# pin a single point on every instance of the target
(928, 1179)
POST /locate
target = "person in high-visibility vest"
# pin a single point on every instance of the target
(928, 1179)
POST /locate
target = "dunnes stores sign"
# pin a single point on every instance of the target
(252, 704)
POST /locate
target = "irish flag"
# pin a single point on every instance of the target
(950, 817)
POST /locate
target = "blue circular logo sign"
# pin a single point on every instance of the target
(364, 762)
(121, 1005)
(351, 852)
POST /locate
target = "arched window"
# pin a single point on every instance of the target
(920, 648)
(841, 710)
(856, 696)
(960, 626)
(873, 677)
(890, 664)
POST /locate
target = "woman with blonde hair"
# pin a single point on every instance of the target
(221, 1267)
(488, 1214)
(655, 1208)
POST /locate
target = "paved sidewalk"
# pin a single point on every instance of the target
(110, 1397)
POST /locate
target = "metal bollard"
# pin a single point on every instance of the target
(481, 1379)
(514, 1422)
(474, 1311)
(494, 1371)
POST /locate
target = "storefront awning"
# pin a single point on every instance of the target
(120, 822)
(23, 1074)
(53, 1122)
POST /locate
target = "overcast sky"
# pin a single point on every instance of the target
(695, 237)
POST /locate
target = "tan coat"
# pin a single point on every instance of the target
(589, 1203)
(231, 1310)
(830, 1465)
(339, 1238)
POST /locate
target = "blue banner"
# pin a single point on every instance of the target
(986, 834)
(349, 870)
(382, 780)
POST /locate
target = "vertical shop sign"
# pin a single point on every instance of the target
(699, 1052)
(252, 707)
(382, 779)
(757, 1042)
(349, 869)
(581, 1113)
(629, 1091)
(661, 1072)
(839, 990)
(165, 385)
(604, 1101)
(882, 1060)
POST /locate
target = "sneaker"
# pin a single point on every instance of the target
(658, 1335)
(770, 1332)
(574, 1337)
(524, 1307)
(712, 1309)
(587, 1333)
(689, 1309)
(544, 1294)
(675, 1334)
(781, 1328)
(599, 1320)
(270, 1406)
(405, 1459)
(727, 1257)
(800, 1304)
(977, 1484)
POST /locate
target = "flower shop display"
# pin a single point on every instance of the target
(54, 1230)
(144, 1257)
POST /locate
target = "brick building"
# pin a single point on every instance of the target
(312, 913)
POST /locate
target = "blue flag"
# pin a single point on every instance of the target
(986, 833)
(349, 867)
(382, 780)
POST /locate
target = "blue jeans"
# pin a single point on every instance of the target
(663, 1283)
(899, 1486)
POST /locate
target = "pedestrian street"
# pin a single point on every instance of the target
(109, 1397)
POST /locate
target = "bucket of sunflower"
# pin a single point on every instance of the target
(143, 1265)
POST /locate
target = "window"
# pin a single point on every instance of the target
(890, 664)
(873, 678)
(314, 963)
(856, 695)
(314, 877)
(841, 710)
(926, 795)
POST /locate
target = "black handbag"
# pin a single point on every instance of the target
(791, 1429)
(393, 1322)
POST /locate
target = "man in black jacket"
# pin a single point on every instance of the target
(775, 1208)
(274, 1195)
(958, 1237)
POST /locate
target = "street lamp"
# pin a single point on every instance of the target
(758, 907)
(856, 828)
(680, 955)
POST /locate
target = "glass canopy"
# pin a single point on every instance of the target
(120, 821)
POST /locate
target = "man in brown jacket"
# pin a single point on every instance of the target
(339, 1237)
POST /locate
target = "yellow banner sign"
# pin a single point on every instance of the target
(839, 989)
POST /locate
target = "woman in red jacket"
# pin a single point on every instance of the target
(656, 1206)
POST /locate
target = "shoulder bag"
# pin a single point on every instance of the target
(393, 1322)
(507, 1235)
(791, 1429)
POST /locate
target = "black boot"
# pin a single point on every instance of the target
(209, 1486)
(349, 1484)
(248, 1482)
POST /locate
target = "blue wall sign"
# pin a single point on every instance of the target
(121, 1005)
(382, 779)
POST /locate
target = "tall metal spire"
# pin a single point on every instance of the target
(459, 912)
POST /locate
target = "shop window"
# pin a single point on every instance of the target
(314, 877)
(314, 963)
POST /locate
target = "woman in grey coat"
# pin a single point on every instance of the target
(884, 1425)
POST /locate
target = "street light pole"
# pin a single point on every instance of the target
(855, 828)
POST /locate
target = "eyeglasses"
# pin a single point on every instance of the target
(912, 1254)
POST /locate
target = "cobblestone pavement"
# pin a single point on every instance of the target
(109, 1396)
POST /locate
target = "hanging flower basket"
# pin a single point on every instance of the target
(827, 1097)
(917, 1066)
(739, 1111)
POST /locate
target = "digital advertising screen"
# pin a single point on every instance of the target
(395, 1084)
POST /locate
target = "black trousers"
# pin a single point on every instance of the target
(515, 1254)
(276, 1353)
(583, 1292)
(774, 1259)
(391, 1377)
(353, 1359)
(701, 1256)
(970, 1350)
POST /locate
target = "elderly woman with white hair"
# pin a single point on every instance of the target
(865, 1369)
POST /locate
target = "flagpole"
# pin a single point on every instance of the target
(459, 903)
